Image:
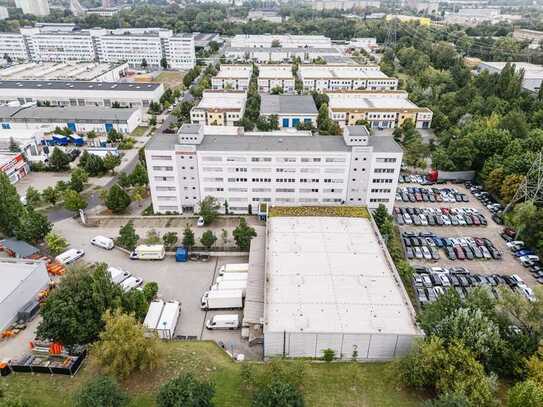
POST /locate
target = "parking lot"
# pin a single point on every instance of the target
(508, 265)
(183, 282)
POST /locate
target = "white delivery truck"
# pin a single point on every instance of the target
(131, 283)
(153, 315)
(225, 321)
(118, 275)
(148, 252)
(69, 256)
(232, 277)
(230, 285)
(221, 299)
(103, 242)
(234, 268)
(168, 320)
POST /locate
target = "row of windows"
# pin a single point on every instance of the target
(278, 159)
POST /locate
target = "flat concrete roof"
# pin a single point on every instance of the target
(361, 101)
(330, 275)
(75, 113)
(275, 71)
(13, 273)
(340, 72)
(235, 71)
(85, 71)
(287, 104)
(223, 100)
(327, 50)
(81, 85)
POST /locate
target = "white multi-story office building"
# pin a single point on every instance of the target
(284, 41)
(233, 77)
(13, 46)
(219, 108)
(275, 76)
(345, 77)
(38, 8)
(81, 93)
(355, 169)
(66, 43)
(382, 109)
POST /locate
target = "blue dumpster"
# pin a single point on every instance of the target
(181, 254)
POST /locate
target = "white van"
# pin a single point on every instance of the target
(69, 256)
(118, 275)
(148, 252)
(103, 242)
(225, 321)
(130, 283)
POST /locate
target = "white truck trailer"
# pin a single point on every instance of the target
(234, 268)
(168, 320)
(222, 299)
(232, 277)
(153, 315)
(230, 285)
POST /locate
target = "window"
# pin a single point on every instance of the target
(284, 190)
(311, 160)
(162, 168)
(379, 200)
(385, 160)
(380, 190)
(335, 160)
(211, 158)
(384, 170)
(161, 157)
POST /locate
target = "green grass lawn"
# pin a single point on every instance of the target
(337, 384)
(171, 79)
(139, 131)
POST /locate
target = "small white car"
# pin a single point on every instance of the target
(200, 222)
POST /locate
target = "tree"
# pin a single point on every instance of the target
(51, 195)
(33, 196)
(138, 194)
(139, 175)
(150, 290)
(113, 136)
(55, 243)
(123, 347)
(144, 63)
(224, 237)
(111, 161)
(72, 314)
(152, 237)
(117, 199)
(525, 394)
(209, 209)
(185, 390)
(73, 201)
(164, 63)
(152, 120)
(278, 394)
(11, 208)
(101, 391)
(188, 237)
(277, 90)
(380, 215)
(509, 187)
(78, 178)
(243, 234)
(92, 164)
(208, 239)
(127, 237)
(170, 239)
(59, 160)
(448, 400)
(452, 369)
(33, 226)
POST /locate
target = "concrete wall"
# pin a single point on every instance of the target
(367, 346)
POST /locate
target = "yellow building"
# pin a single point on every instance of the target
(219, 108)
(424, 21)
(385, 109)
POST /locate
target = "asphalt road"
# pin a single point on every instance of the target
(59, 214)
